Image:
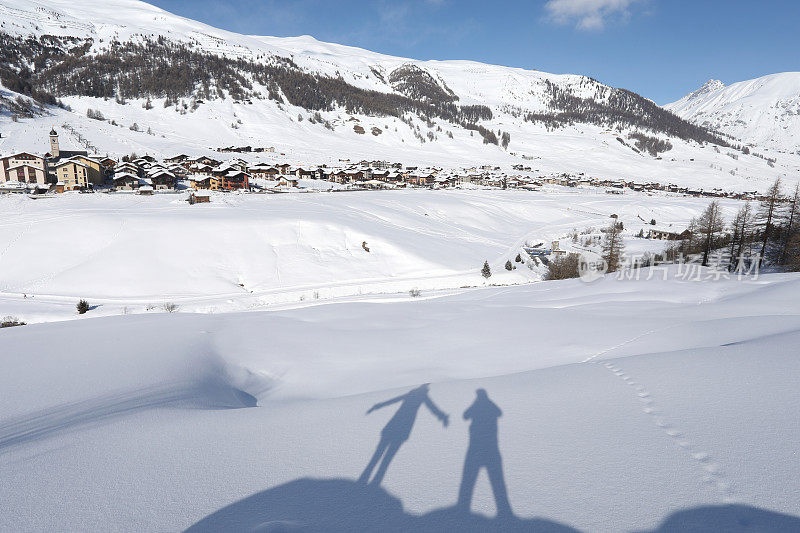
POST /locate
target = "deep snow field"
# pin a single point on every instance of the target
(627, 405)
(126, 253)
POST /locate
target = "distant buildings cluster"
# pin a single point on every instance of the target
(70, 170)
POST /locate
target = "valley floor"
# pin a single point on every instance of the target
(128, 254)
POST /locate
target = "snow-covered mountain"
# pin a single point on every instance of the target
(163, 84)
(762, 112)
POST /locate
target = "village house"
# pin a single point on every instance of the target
(201, 168)
(263, 171)
(191, 164)
(339, 176)
(72, 175)
(107, 164)
(234, 180)
(162, 179)
(180, 158)
(95, 173)
(23, 167)
(127, 167)
(287, 181)
(177, 169)
(304, 173)
(668, 235)
(201, 181)
(126, 181)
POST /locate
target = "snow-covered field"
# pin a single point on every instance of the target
(131, 254)
(627, 406)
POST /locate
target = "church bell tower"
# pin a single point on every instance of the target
(54, 143)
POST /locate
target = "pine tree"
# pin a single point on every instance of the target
(509, 266)
(486, 271)
(613, 247)
(82, 307)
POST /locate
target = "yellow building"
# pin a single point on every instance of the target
(73, 175)
(94, 169)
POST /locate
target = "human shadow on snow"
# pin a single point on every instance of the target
(342, 505)
(398, 429)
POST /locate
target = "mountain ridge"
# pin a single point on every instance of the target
(135, 78)
(761, 111)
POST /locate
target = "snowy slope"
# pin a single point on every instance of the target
(764, 111)
(509, 92)
(627, 406)
(245, 252)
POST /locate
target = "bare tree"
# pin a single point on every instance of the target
(767, 213)
(708, 226)
(793, 253)
(564, 266)
(742, 232)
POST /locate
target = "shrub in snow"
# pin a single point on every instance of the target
(563, 267)
(414, 293)
(94, 114)
(518, 259)
(82, 307)
(364, 246)
(509, 266)
(171, 307)
(10, 322)
(486, 271)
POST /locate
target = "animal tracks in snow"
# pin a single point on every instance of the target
(711, 471)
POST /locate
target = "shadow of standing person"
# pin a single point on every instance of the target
(398, 429)
(483, 452)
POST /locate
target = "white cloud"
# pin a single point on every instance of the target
(587, 14)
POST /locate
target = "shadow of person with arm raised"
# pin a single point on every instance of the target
(398, 429)
(483, 452)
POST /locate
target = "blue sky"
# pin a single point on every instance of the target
(661, 49)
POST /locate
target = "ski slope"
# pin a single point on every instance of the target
(627, 406)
